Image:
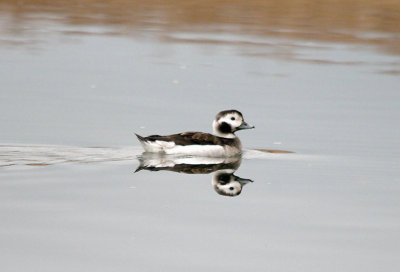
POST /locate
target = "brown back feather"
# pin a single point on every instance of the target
(192, 138)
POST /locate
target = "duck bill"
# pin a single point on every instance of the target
(244, 125)
(242, 181)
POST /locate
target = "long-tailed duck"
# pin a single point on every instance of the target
(223, 143)
(223, 181)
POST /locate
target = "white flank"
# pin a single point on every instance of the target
(156, 146)
(197, 150)
(170, 148)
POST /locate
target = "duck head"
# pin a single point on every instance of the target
(226, 183)
(227, 122)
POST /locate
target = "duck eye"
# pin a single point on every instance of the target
(231, 188)
(232, 118)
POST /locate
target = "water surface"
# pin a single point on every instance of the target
(315, 77)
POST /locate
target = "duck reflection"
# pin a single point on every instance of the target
(223, 181)
(226, 183)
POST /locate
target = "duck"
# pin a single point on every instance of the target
(222, 143)
(224, 181)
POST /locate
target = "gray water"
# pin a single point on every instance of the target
(72, 96)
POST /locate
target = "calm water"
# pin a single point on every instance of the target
(77, 81)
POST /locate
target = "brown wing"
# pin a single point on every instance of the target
(191, 138)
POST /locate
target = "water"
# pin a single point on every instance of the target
(79, 81)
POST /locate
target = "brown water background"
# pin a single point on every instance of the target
(356, 21)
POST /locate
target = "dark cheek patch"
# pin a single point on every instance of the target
(225, 128)
(224, 179)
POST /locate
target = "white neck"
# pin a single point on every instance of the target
(218, 133)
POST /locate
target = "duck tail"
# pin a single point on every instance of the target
(140, 167)
(140, 138)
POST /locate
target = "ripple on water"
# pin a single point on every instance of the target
(44, 155)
